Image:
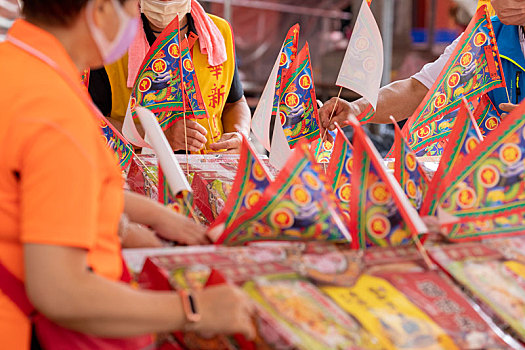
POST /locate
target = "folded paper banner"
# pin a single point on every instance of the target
(473, 69)
(269, 102)
(280, 152)
(464, 138)
(251, 180)
(380, 213)
(486, 188)
(362, 67)
(407, 170)
(263, 113)
(298, 206)
(166, 158)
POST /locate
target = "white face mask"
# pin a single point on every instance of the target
(161, 13)
(112, 51)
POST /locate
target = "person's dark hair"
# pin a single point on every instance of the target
(54, 12)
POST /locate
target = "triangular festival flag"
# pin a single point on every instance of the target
(297, 206)
(250, 182)
(473, 69)
(362, 66)
(407, 170)
(269, 101)
(340, 171)
(465, 137)
(116, 142)
(487, 116)
(486, 190)
(298, 104)
(158, 85)
(380, 213)
(322, 151)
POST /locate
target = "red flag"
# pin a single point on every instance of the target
(298, 206)
(464, 138)
(486, 189)
(470, 72)
(381, 214)
(408, 171)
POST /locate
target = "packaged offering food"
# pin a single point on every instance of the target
(496, 281)
(408, 306)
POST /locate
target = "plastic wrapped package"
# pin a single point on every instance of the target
(496, 281)
(409, 307)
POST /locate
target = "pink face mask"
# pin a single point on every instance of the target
(112, 51)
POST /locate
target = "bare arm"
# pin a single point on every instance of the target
(61, 287)
(399, 99)
(236, 118)
(164, 221)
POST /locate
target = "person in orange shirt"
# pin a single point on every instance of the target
(61, 191)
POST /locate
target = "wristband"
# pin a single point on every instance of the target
(189, 306)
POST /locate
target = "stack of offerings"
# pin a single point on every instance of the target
(319, 296)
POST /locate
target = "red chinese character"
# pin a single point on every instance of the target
(217, 96)
(216, 71)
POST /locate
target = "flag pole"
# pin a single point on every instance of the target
(330, 119)
(423, 251)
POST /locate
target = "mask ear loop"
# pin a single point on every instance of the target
(98, 36)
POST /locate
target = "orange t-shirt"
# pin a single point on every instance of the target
(59, 184)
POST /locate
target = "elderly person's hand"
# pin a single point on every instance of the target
(342, 113)
(507, 108)
(510, 12)
(231, 142)
(195, 136)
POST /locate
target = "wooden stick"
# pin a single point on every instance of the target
(186, 146)
(423, 251)
(190, 208)
(330, 119)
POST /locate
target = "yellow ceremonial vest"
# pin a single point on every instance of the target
(215, 82)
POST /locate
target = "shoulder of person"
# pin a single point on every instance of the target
(223, 25)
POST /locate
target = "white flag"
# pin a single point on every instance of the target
(263, 112)
(280, 151)
(362, 66)
(130, 132)
(166, 158)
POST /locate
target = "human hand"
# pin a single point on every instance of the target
(341, 115)
(507, 107)
(135, 235)
(230, 141)
(225, 309)
(510, 12)
(195, 133)
(176, 227)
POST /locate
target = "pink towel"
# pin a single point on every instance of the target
(210, 38)
(211, 43)
(137, 51)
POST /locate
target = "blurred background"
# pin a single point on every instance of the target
(414, 32)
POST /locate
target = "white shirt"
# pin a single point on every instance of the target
(430, 71)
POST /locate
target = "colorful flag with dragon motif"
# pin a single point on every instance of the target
(84, 77)
(362, 66)
(286, 57)
(297, 206)
(380, 213)
(158, 84)
(487, 116)
(269, 102)
(298, 103)
(177, 202)
(486, 189)
(117, 143)
(323, 150)
(408, 171)
(339, 171)
(473, 69)
(250, 182)
(465, 137)
(366, 115)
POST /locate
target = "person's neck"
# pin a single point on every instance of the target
(74, 40)
(183, 25)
